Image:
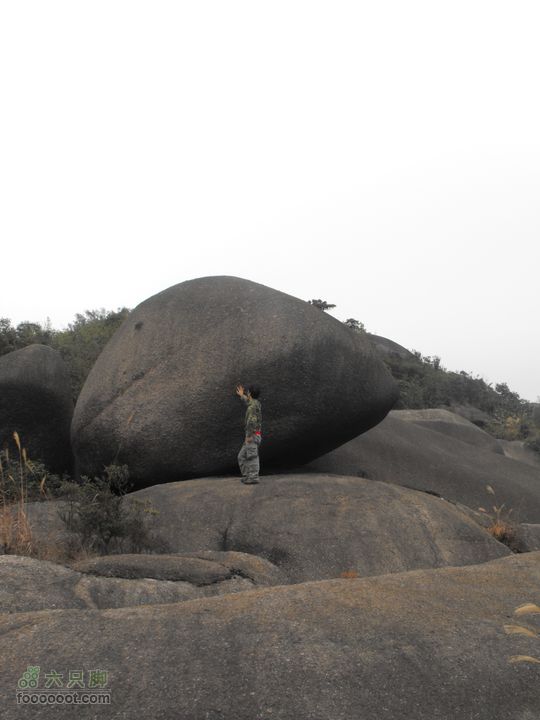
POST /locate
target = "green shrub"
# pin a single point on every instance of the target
(103, 520)
(80, 343)
(32, 476)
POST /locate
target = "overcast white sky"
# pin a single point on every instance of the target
(384, 156)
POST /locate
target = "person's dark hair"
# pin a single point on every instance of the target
(254, 391)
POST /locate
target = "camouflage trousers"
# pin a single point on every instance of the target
(248, 459)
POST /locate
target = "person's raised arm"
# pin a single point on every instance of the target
(241, 394)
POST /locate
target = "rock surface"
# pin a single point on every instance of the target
(413, 456)
(161, 396)
(315, 526)
(203, 568)
(451, 424)
(420, 645)
(473, 414)
(517, 450)
(389, 347)
(311, 526)
(35, 401)
(119, 581)
(527, 538)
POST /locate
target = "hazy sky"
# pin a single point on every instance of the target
(384, 156)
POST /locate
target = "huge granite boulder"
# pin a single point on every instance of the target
(414, 646)
(416, 456)
(35, 401)
(161, 396)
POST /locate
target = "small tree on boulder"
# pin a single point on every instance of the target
(321, 304)
(355, 325)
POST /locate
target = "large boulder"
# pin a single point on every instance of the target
(418, 646)
(415, 456)
(35, 401)
(161, 396)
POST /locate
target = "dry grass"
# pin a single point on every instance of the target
(15, 531)
(60, 553)
(349, 574)
(501, 527)
(16, 537)
(524, 631)
(502, 531)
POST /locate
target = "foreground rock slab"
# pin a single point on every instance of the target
(161, 396)
(422, 645)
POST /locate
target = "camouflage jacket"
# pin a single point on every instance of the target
(253, 415)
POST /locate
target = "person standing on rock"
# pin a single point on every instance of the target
(248, 457)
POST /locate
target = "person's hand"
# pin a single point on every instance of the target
(240, 390)
(249, 438)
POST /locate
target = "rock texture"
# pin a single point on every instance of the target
(451, 424)
(120, 581)
(35, 401)
(517, 450)
(527, 538)
(421, 645)
(317, 527)
(407, 454)
(201, 569)
(313, 527)
(389, 347)
(161, 396)
(473, 414)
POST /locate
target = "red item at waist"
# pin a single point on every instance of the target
(256, 432)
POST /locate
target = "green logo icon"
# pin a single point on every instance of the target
(29, 678)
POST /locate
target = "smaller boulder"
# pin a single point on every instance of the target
(473, 414)
(35, 402)
(517, 450)
(527, 538)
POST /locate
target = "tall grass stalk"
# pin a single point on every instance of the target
(15, 532)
